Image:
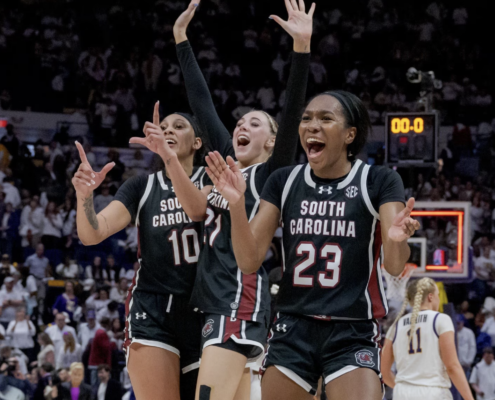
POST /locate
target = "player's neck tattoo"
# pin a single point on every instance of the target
(89, 210)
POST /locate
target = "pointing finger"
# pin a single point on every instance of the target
(82, 153)
(156, 114)
(138, 140)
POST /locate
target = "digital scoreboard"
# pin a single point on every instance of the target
(411, 138)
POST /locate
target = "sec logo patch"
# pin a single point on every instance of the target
(351, 192)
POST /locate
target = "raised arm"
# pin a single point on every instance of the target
(192, 199)
(397, 227)
(92, 228)
(250, 240)
(299, 26)
(198, 94)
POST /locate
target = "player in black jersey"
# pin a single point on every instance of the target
(336, 213)
(162, 331)
(236, 306)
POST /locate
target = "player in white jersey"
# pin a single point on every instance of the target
(426, 359)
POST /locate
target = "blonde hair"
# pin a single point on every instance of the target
(76, 365)
(71, 342)
(417, 292)
(271, 121)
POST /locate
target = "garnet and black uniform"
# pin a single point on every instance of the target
(236, 306)
(331, 284)
(158, 313)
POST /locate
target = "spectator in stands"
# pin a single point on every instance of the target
(47, 352)
(68, 269)
(10, 299)
(489, 325)
(101, 351)
(113, 269)
(103, 199)
(484, 267)
(67, 302)
(27, 284)
(108, 389)
(9, 229)
(119, 292)
(117, 333)
(76, 386)
(38, 265)
(63, 374)
(483, 376)
(56, 332)
(97, 272)
(68, 214)
(110, 311)
(70, 353)
(31, 223)
(87, 330)
(10, 141)
(45, 379)
(21, 332)
(466, 344)
(6, 268)
(51, 232)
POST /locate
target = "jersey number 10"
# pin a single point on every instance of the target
(327, 279)
(190, 245)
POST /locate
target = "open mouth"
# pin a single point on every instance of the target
(315, 146)
(243, 140)
(171, 141)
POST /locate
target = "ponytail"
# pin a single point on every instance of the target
(416, 295)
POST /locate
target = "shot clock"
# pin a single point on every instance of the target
(411, 138)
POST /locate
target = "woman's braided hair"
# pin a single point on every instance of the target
(417, 292)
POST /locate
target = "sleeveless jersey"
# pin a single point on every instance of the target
(169, 242)
(221, 287)
(331, 247)
(418, 361)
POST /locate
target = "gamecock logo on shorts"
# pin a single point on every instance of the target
(208, 328)
(365, 358)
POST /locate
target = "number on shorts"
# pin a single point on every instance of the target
(190, 245)
(327, 279)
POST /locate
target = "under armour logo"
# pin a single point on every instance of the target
(281, 328)
(327, 189)
(142, 316)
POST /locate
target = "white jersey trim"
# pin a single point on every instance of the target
(364, 190)
(161, 180)
(190, 367)
(258, 298)
(370, 261)
(147, 192)
(153, 343)
(307, 176)
(239, 290)
(220, 335)
(196, 175)
(288, 185)
(252, 183)
(350, 176)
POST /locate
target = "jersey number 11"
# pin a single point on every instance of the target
(418, 335)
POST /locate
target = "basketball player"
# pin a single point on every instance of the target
(426, 359)
(162, 330)
(336, 212)
(236, 306)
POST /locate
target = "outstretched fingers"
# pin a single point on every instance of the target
(156, 114)
(302, 6)
(218, 161)
(107, 168)
(138, 140)
(82, 153)
(312, 10)
(295, 7)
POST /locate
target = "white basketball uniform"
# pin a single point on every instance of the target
(421, 373)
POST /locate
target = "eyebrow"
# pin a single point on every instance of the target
(319, 112)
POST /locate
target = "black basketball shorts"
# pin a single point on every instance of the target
(167, 322)
(305, 349)
(244, 337)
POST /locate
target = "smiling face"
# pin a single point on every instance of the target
(180, 136)
(253, 138)
(324, 132)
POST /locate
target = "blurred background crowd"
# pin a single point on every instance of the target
(63, 303)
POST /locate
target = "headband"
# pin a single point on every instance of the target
(194, 123)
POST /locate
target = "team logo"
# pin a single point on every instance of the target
(245, 176)
(208, 328)
(281, 328)
(141, 316)
(327, 190)
(351, 192)
(234, 306)
(365, 358)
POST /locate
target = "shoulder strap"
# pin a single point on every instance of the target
(288, 186)
(147, 192)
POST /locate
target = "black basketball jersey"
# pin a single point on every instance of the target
(221, 287)
(169, 242)
(331, 242)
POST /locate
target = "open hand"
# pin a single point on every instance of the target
(403, 226)
(154, 138)
(86, 180)
(181, 24)
(299, 24)
(227, 179)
